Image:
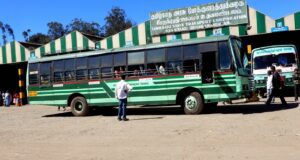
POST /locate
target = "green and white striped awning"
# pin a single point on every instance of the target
(72, 42)
(13, 52)
(292, 21)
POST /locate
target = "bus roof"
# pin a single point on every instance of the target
(133, 48)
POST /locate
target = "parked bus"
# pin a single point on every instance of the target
(283, 57)
(192, 73)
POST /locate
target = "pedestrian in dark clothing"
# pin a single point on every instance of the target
(277, 87)
(296, 78)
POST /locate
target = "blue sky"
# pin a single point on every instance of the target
(34, 14)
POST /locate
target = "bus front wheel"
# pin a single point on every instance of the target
(193, 103)
(79, 106)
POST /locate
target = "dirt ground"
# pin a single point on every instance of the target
(235, 132)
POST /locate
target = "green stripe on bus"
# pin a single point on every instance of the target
(52, 47)
(122, 40)
(178, 35)
(63, 44)
(148, 32)
(297, 20)
(54, 102)
(135, 36)
(13, 51)
(225, 30)
(208, 32)
(4, 59)
(23, 54)
(278, 21)
(109, 43)
(193, 34)
(261, 22)
(242, 29)
(74, 41)
(85, 43)
(163, 38)
(42, 51)
(108, 90)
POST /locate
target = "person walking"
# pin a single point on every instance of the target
(269, 85)
(7, 98)
(121, 92)
(296, 78)
(277, 87)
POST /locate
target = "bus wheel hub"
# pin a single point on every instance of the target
(78, 106)
(190, 102)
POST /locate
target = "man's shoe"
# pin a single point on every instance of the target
(119, 119)
(125, 119)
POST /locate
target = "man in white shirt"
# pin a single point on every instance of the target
(121, 93)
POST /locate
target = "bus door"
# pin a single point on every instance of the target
(208, 64)
(208, 67)
(45, 86)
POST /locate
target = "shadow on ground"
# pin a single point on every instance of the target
(176, 110)
(248, 108)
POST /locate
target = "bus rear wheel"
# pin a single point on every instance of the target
(193, 103)
(79, 106)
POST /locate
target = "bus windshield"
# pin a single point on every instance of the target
(238, 52)
(284, 59)
(239, 55)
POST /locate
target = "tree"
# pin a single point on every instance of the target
(39, 38)
(6, 27)
(92, 28)
(10, 31)
(116, 21)
(26, 35)
(56, 30)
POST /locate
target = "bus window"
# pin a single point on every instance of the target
(136, 62)
(119, 64)
(94, 65)
(69, 70)
(224, 56)
(33, 73)
(94, 74)
(106, 61)
(118, 71)
(106, 66)
(81, 68)
(174, 58)
(45, 71)
(58, 71)
(191, 59)
(106, 72)
(155, 62)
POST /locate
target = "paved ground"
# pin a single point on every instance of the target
(235, 132)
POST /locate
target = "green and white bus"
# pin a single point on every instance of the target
(191, 73)
(283, 57)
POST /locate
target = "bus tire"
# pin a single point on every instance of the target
(193, 103)
(79, 106)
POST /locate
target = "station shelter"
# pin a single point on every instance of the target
(259, 30)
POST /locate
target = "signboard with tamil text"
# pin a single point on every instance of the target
(213, 15)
